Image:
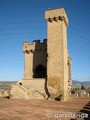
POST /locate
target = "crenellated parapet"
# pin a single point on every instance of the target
(52, 16)
(27, 47)
(36, 46)
(69, 61)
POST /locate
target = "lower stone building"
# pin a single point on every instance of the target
(47, 68)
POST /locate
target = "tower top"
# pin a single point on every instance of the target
(56, 14)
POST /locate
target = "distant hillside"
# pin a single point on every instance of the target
(78, 83)
(74, 83)
(6, 85)
(8, 82)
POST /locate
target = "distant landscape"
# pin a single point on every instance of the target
(78, 83)
(74, 82)
(6, 85)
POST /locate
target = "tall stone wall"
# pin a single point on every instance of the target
(57, 68)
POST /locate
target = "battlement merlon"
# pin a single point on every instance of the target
(69, 61)
(56, 14)
(27, 47)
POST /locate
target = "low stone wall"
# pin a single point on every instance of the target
(18, 92)
(29, 89)
(35, 87)
(82, 94)
(37, 84)
(4, 93)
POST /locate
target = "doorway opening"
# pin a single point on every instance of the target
(40, 72)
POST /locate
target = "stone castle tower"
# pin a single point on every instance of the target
(47, 68)
(57, 65)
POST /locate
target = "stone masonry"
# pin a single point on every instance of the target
(48, 68)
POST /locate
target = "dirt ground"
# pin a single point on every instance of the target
(11, 109)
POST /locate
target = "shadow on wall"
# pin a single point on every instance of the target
(40, 72)
(85, 111)
(46, 89)
(40, 59)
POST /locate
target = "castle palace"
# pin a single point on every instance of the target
(47, 67)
